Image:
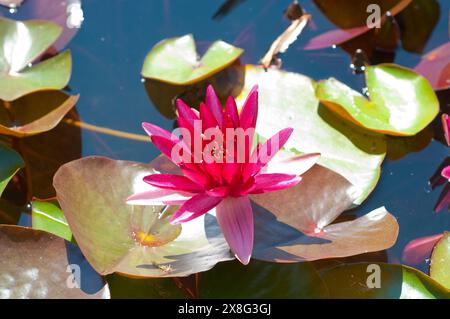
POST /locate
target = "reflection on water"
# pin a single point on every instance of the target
(110, 47)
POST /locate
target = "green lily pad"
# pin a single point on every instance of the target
(394, 282)
(21, 44)
(37, 265)
(402, 102)
(134, 240)
(34, 113)
(176, 61)
(50, 218)
(288, 100)
(440, 261)
(10, 163)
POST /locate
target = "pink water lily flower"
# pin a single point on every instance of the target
(226, 171)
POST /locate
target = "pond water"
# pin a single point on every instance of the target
(115, 37)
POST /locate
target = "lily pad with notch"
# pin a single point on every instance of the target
(22, 44)
(175, 60)
(402, 102)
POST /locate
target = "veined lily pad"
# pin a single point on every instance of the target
(49, 217)
(384, 281)
(296, 224)
(401, 102)
(288, 99)
(175, 60)
(133, 240)
(440, 261)
(10, 163)
(34, 113)
(22, 43)
(35, 264)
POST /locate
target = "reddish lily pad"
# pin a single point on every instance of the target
(133, 240)
(48, 217)
(175, 61)
(10, 163)
(361, 281)
(35, 264)
(296, 224)
(352, 18)
(289, 100)
(440, 261)
(402, 103)
(34, 113)
(435, 66)
(22, 43)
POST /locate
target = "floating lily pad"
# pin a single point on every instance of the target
(49, 217)
(288, 100)
(133, 240)
(397, 282)
(402, 102)
(176, 61)
(10, 163)
(440, 261)
(22, 43)
(300, 223)
(35, 264)
(34, 113)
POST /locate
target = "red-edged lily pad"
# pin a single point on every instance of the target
(37, 265)
(401, 103)
(34, 113)
(175, 60)
(21, 44)
(133, 240)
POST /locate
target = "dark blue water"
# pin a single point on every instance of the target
(109, 50)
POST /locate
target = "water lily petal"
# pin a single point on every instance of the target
(446, 172)
(166, 146)
(265, 183)
(249, 111)
(159, 196)
(232, 111)
(213, 103)
(264, 153)
(207, 117)
(186, 112)
(235, 217)
(446, 126)
(153, 130)
(196, 206)
(292, 165)
(175, 182)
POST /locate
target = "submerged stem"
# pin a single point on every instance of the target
(107, 131)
